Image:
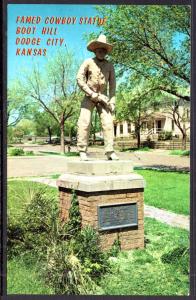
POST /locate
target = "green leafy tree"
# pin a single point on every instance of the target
(55, 90)
(179, 112)
(18, 106)
(45, 124)
(133, 106)
(151, 43)
(26, 126)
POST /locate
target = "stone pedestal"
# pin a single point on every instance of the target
(110, 199)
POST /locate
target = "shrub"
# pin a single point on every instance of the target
(71, 257)
(115, 250)
(186, 153)
(165, 135)
(180, 152)
(29, 153)
(16, 152)
(88, 249)
(32, 231)
(65, 273)
(74, 223)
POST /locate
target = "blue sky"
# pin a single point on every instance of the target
(73, 34)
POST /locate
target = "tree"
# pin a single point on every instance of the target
(55, 89)
(26, 126)
(179, 111)
(132, 105)
(18, 106)
(151, 43)
(45, 124)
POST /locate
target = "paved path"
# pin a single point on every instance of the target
(54, 164)
(161, 215)
(168, 217)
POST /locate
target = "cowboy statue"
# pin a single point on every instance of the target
(93, 78)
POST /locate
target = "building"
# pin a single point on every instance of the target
(157, 123)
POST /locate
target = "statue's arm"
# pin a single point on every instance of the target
(81, 79)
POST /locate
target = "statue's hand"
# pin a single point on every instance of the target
(94, 97)
(103, 99)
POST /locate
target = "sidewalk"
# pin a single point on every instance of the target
(54, 164)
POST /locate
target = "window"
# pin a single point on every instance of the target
(121, 128)
(129, 127)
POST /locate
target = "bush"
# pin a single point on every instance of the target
(88, 249)
(65, 273)
(32, 231)
(71, 256)
(180, 152)
(115, 250)
(74, 223)
(29, 153)
(165, 136)
(16, 152)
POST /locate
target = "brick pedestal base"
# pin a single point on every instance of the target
(130, 238)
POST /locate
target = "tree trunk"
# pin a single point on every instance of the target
(62, 135)
(138, 138)
(184, 136)
(70, 140)
(49, 134)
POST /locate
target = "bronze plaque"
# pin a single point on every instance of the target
(117, 216)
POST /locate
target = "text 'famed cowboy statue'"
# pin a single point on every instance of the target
(93, 78)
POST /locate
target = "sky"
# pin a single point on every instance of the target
(73, 34)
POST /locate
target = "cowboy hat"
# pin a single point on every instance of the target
(99, 43)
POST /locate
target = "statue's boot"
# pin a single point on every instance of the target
(112, 155)
(83, 156)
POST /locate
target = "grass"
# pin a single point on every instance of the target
(180, 152)
(136, 272)
(141, 271)
(24, 277)
(167, 190)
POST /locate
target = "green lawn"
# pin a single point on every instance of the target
(168, 190)
(23, 277)
(141, 272)
(136, 272)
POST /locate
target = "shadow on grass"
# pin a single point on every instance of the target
(136, 149)
(164, 168)
(59, 154)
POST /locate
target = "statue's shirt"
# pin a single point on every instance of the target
(94, 76)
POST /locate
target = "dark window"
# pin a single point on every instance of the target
(121, 128)
(115, 127)
(129, 127)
